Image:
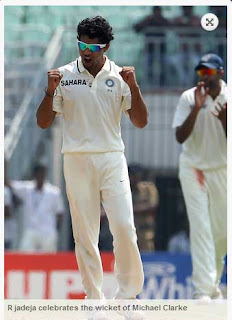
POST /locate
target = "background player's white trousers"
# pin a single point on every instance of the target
(205, 194)
(92, 178)
(34, 240)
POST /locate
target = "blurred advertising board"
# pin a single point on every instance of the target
(56, 276)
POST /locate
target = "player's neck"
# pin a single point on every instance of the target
(96, 68)
(39, 185)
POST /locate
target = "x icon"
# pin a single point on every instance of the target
(209, 22)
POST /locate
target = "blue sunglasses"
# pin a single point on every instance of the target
(93, 47)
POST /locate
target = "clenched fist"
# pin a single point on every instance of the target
(54, 77)
(128, 75)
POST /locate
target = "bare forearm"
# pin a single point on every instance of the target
(184, 131)
(59, 221)
(138, 112)
(7, 213)
(45, 114)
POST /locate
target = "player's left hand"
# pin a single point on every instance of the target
(128, 75)
(219, 110)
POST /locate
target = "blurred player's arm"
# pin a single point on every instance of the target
(16, 197)
(7, 211)
(138, 112)
(7, 202)
(45, 114)
(59, 208)
(185, 130)
(59, 220)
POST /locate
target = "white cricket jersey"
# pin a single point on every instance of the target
(91, 107)
(40, 207)
(206, 146)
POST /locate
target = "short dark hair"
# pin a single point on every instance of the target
(96, 27)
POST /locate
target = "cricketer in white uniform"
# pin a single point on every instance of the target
(200, 122)
(91, 93)
(43, 212)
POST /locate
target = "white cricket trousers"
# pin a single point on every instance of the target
(205, 194)
(91, 179)
(34, 240)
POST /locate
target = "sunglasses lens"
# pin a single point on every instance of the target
(212, 72)
(93, 47)
(82, 46)
(209, 72)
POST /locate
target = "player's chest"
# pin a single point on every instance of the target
(88, 88)
(39, 200)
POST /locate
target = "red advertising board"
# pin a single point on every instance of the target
(50, 276)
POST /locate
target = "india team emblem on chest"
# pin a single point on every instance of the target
(110, 83)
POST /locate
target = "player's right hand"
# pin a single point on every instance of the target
(200, 94)
(54, 77)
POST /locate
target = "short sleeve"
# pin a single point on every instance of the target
(182, 111)
(126, 97)
(58, 101)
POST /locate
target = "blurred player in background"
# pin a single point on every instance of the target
(145, 199)
(91, 93)
(11, 202)
(8, 232)
(42, 212)
(201, 126)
